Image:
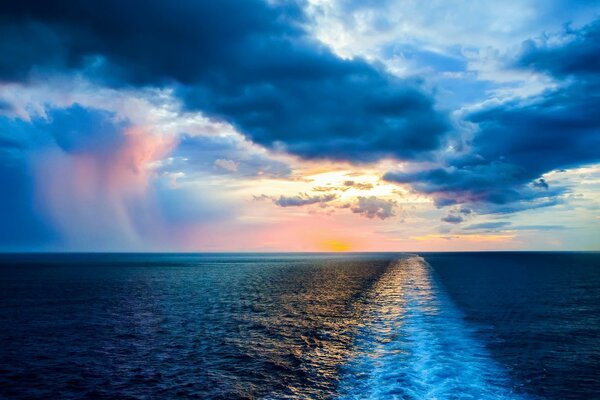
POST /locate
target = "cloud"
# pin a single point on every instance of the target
(453, 219)
(5, 106)
(444, 44)
(261, 197)
(359, 185)
(230, 154)
(23, 225)
(328, 189)
(488, 226)
(227, 165)
(519, 140)
(582, 47)
(78, 130)
(538, 227)
(370, 26)
(303, 200)
(493, 183)
(251, 64)
(541, 183)
(372, 207)
(83, 179)
(506, 225)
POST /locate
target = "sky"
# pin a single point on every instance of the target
(319, 125)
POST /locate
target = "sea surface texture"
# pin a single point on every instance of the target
(300, 326)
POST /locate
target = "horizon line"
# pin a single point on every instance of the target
(293, 252)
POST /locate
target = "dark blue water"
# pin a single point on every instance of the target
(445, 326)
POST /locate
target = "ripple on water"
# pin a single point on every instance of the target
(202, 326)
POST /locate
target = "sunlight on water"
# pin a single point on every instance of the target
(299, 326)
(416, 345)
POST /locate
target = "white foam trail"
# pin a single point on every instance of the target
(417, 346)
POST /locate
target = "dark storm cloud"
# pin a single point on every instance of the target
(578, 57)
(22, 224)
(520, 140)
(148, 41)
(497, 183)
(74, 130)
(558, 130)
(247, 63)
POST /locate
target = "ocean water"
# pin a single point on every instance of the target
(297, 326)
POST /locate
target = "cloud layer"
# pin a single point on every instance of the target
(82, 177)
(250, 64)
(519, 140)
(147, 124)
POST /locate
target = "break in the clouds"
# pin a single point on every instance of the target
(154, 125)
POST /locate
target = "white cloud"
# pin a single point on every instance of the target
(227, 165)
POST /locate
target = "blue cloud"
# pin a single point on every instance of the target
(249, 63)
(23, 226)
(303, 200)
(453, 219)
(506, 225)
(199, 154)
(519, 140)
(24, 212)
(83, 130)
(488, 226)
(577, 57)
(453, 61)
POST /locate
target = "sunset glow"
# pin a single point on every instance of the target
(314, 127)
(336, 246)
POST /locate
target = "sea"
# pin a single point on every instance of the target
(488, 325)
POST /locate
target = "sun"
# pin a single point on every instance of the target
(335, 245)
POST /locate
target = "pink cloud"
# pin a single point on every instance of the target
(94, 198)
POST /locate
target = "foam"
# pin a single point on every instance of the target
(417, 345)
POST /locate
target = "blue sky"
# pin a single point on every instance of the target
(317, 125)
